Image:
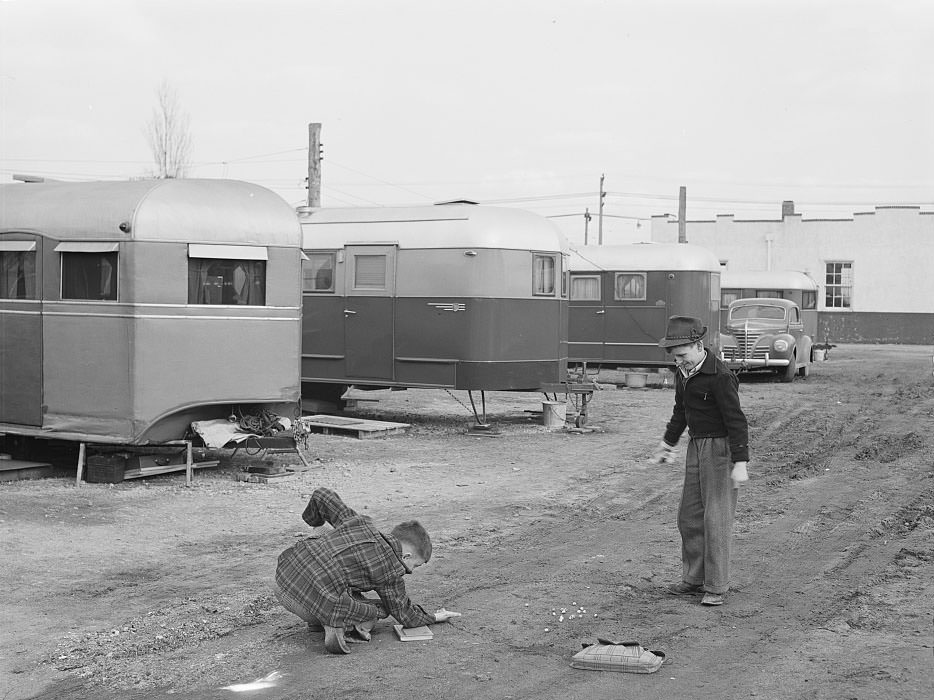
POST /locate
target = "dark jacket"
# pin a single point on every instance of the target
(707, 404)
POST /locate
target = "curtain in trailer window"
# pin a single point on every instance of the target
(369, 272)
(543, 281)
(91, 276)
(17, 275)
(318, 271)
(630, 286)
(227, 282)
(585, 288)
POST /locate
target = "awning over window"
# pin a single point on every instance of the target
(227, 252)
(18, 246)
(87, 247)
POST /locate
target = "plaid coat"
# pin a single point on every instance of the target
(322, 574)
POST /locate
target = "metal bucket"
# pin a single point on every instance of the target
(636, 380)
(554, 413)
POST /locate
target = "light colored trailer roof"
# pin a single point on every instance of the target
(766, 279)
(643, 256)
(438, 226)
(189, 211)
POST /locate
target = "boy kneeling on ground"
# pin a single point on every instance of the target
(322, 579)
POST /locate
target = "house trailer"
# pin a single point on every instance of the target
(130, 309)
(454, 296)
(621, 297)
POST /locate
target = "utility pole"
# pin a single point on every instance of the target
(586, 222)
(600, 218)
(682, 211)
(315, 156)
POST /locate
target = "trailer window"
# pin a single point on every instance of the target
(318, 272)
(369, 272)
(808, 300)
(585, 288)
(768, 294)
(543, 274)
(839, 285)
(728, 296)
(630, 286)
(17, 274)
(89, 276)
(228, 282)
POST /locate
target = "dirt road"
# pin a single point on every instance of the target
(151, 587)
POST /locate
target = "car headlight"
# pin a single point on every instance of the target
(780, 345)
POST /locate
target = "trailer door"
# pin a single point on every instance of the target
(370, 286)
(20, 334)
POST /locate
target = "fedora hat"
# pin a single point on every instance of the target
(682, 330)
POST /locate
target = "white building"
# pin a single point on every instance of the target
(875, 271)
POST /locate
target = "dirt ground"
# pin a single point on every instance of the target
(150, 587)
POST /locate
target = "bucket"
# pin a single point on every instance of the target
(554, 413)
(636, 380)
(819, 355)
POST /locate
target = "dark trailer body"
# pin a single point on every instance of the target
(621, 297)
(130, 309)
(454, 296)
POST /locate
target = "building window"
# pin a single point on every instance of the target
(630, 286)
(585, 288)
(90, 276)
(318, 272)
(838, 286)
(227, 282)
(17, 274)
(544, 268)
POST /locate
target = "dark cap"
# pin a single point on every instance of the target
(682, 330)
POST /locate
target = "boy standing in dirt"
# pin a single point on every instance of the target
(322, 579)
(707, 404)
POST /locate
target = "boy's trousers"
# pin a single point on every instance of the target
(705, 516)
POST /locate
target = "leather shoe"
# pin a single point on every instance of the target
(712, 599)
(334, 640)
(685, 588)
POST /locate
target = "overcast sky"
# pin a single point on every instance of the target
(523, 103)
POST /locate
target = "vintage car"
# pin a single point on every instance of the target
(766, 335)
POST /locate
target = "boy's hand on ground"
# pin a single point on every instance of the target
(443, 615)
(361, 632)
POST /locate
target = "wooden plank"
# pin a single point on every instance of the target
(357, 427)
(167, 468)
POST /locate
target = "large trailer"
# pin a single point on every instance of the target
(621, 297)
(130, 309)
(453, 296)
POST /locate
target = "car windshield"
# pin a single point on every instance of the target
(757, 311)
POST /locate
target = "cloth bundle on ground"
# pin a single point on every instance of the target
(628, 657)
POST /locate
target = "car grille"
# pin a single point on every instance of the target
(745, 343)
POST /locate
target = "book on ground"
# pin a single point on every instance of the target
(413, 634)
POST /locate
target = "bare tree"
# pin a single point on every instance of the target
(169, 138)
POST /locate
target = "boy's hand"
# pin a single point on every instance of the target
(443, 615)
(664, 453)
(361, 630)
(739, 475)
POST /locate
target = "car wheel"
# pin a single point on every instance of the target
(804, 371)
(789, 374)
